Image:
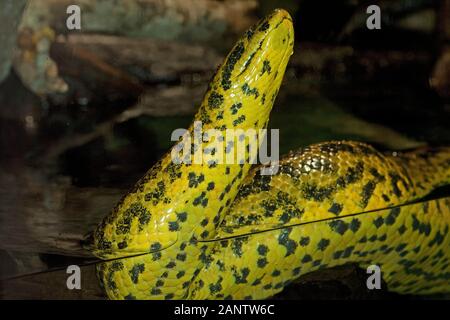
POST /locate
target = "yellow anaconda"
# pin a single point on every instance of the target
(215, 230)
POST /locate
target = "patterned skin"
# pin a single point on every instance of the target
(175, 205)
(167, 229)
(322, 210)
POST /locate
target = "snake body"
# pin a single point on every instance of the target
(213, 230)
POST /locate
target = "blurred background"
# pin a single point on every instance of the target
(84, 113)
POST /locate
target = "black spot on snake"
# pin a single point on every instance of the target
(233, 58)
(215, 100)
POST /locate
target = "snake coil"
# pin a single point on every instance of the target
(215, 231)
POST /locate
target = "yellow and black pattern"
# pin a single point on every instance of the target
(324, 202)
(176, 205)
(273, 226)
(410, 245)
(335, 178)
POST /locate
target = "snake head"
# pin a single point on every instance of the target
(244, 88)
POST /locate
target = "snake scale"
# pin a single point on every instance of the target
(226, 231)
